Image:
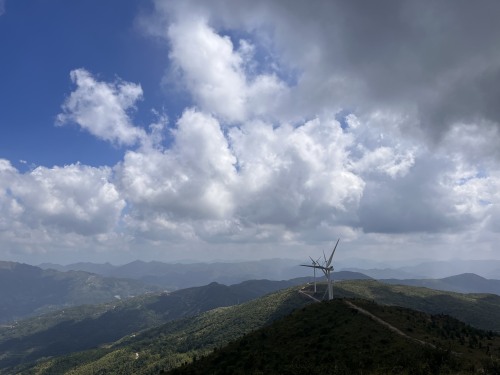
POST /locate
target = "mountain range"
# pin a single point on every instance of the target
(173, 276)
(332, 334)
(156, 331)
(463, 283)
(27, 290)
(85, 327)
(489, 269)
(180, 275)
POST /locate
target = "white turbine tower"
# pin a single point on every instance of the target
(315, 263)
(327, 269)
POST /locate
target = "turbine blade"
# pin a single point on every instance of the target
(333, 252)
(335, 248)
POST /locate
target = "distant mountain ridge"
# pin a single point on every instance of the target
(464, 283)
(97, 268)
(489, 269)
(384, 273)
(28, 290)
(440, 269)
(173, 276)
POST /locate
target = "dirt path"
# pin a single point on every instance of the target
(375, 318)
(388, 325)
(301, 291)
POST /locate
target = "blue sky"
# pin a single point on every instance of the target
(237, 130)
(42, 42)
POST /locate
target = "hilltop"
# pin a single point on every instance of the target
(477, 309)
(336, 338)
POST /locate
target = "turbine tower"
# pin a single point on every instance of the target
(315, 263)
(327, 269)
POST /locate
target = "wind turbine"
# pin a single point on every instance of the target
(315, 263)
(327, 269)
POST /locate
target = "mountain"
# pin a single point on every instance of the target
(435, 270)
(172, 342)
(464, 283)
(355, 337)
(173, 276)
(86, 327)
(122, 342)
(385, 273)
(350, 275)
(320, 338)
(105, 269)
(439, 269)
(27, 290)
(181, 275)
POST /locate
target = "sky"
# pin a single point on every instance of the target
(232, 130)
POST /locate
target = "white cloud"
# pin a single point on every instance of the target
(73, 199)
(191, 179)
(2, 7)
(214, 72)
(103, 108)
(260, 183)
(294, 176)
(385, 160)
(210, 67)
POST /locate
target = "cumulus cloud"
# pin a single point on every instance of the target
(295, 176)
(257, 183)
(210, 67)
(73, 200)
(191, 179)
(213, 70)
(103, 108)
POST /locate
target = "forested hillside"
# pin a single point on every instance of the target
(85, 327)
(176, 342)
(335, 338)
